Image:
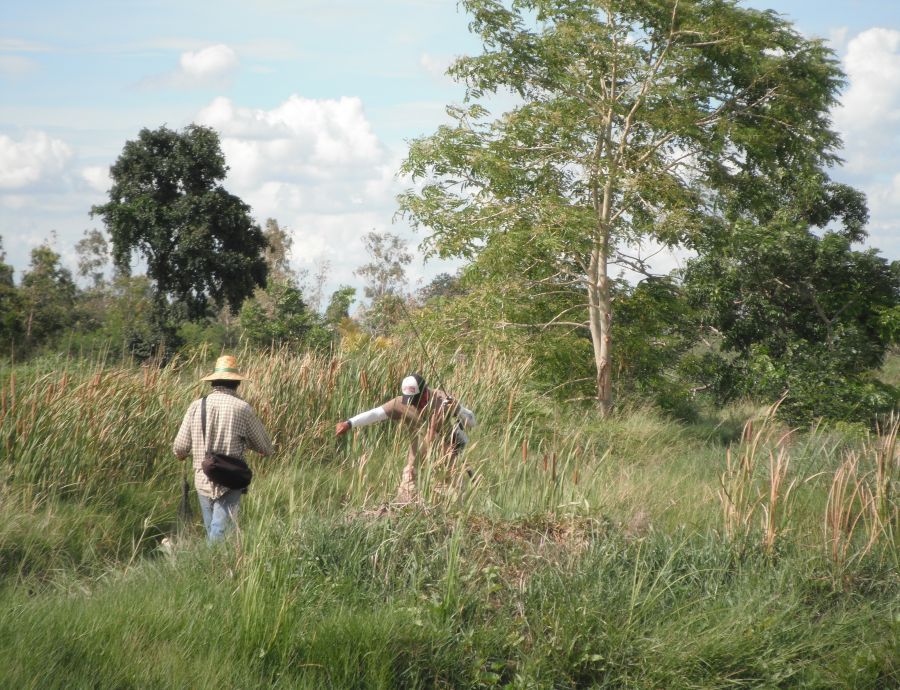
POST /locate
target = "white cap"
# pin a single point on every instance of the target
(410, 386)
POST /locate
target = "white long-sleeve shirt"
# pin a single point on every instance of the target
(377, 414)
(380, 414)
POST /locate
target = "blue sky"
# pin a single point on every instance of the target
(314, 101)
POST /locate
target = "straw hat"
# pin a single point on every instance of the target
(226, 370)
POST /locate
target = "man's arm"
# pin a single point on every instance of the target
(373, 416)
(182, 445)
(257, 438)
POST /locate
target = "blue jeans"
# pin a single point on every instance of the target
(219, 514)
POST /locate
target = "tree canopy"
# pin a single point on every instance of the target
(167, 204)
(634, 120)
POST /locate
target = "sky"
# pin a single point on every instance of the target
(315, 102)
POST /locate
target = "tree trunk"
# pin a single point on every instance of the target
(600, 319)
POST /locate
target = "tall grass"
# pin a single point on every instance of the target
(563, 551)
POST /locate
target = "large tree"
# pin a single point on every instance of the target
(798, 313)
(48, 296)
(385, 276)
(278, 314)
(168, 205)
(93, 257)
(10, 304)
(634, 120)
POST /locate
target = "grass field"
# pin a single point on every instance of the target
(630, 552)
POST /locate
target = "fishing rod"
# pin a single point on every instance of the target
(419, 339)
(425, 352)
(458, 424)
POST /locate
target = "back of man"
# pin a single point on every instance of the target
(230, 428)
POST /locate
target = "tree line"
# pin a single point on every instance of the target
(698, 124)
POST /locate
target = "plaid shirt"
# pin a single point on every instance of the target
(231, 427)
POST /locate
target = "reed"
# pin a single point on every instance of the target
(579, 553)
(744, 489)
(861, 511)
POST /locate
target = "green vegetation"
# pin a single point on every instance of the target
(628, 552)
(667, 122)
(678, 481)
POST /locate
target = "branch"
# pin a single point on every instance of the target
(555, 322)
(541, 326)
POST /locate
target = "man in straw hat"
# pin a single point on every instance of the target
(231, 428)
(434, 419)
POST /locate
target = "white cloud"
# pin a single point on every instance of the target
(318, 168)
(868, 120)
(19, 45)
(209, 67)
(301, 139)
(872, 64)
(838, 37)
(209, 64)
(436, 66)
(32, 159)
(97, 177)
(16, 66)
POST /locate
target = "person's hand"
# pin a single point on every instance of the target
(342, 428)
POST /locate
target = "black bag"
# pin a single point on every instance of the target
(223, 469)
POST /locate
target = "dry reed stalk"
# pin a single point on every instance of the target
(840, 517)
(334, 368)
(738, 493)
(852, 500)
(63, 385)
(363, 381)
(733, 492)
(778, 467)
(887, 464)
(524, 450)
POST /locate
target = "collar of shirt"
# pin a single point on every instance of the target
(224, 390)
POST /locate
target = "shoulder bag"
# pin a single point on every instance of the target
(223, 469)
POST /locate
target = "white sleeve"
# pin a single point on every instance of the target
(371, 417)
(467, 417)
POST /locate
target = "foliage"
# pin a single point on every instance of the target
(385, 273)
(122, 316)
(585, 552)
(278, 316)
(48, 297)
(385, 284)
(93, 257)
(339, 305)
(277, 252)
(632, 120)
(443, 286)
(795, 310)
(657, 330)
(168, 205)
(10, 304)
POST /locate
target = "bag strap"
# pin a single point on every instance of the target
(203, 420)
